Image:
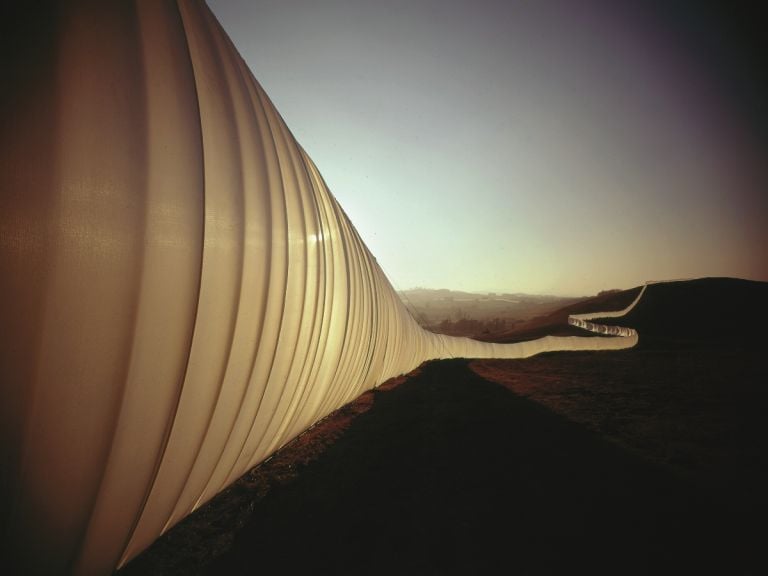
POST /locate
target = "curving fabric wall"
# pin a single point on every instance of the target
(583, 320)
(181, 295)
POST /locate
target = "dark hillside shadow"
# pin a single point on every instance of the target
(451, 474)
(718, 312)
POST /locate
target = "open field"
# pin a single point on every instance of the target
(696, 412)
(644, 461)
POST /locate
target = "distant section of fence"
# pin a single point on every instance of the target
(601, 328)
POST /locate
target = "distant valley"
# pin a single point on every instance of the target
(478, 314)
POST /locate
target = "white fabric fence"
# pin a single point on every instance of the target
(181, 294)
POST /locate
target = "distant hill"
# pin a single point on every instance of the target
(707, 310)
(555, 322)
(475, 315)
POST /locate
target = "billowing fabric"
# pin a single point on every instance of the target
(181, 295)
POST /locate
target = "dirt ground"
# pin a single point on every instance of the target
(635, 462)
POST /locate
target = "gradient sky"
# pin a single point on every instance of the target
(556, 147)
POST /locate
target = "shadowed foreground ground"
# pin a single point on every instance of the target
(449, 473)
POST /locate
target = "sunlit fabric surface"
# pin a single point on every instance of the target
(181, 294)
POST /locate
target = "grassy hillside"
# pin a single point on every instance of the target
(718, 311)
(555, 322)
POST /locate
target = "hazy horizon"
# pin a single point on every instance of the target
(533, 147)
(499, 292)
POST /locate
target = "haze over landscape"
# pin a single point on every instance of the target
(539, 147)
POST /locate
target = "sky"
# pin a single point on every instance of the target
(551, 147)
